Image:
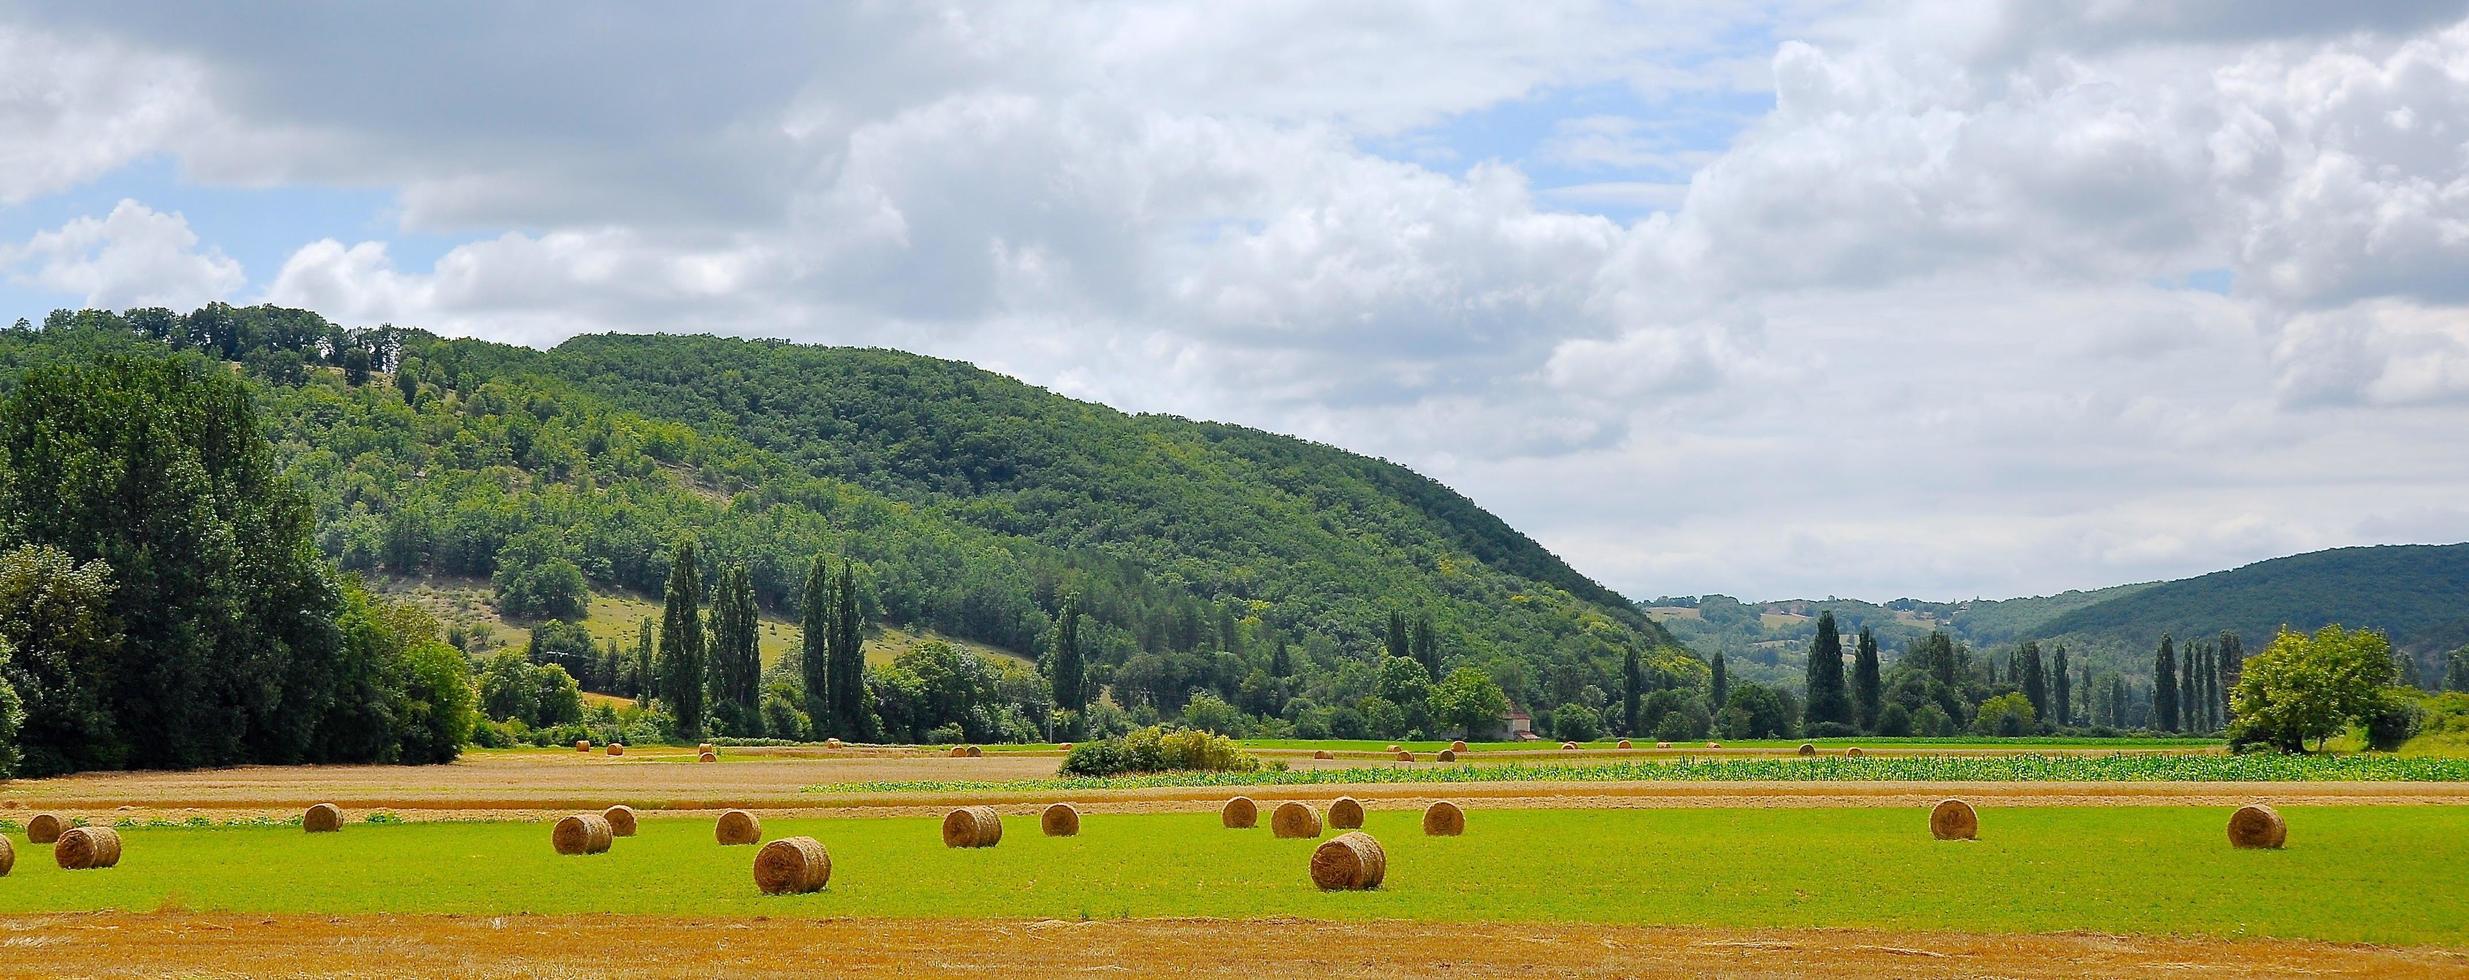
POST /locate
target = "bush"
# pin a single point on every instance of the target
(1932, 721)
(1688, 722)
(1210, 713)
(2392, 720)
(1577, 723)
(1156, 749)
(1894, 722)
(2008, 714)
(1831, 729)
(11, 715)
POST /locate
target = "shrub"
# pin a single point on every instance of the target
(1894, 722)
(1210, 713)
(2008, 714)
(1155, 749)
(10, 717)
(1683, 724)
(1831, 729)
(2392, 720)
(1577, 723)
(1932, 721)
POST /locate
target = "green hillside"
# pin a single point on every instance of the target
(2419, 594)
(971, 502)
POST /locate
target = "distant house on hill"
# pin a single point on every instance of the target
(1515, 726)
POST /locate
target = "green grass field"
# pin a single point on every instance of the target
(2370, 874)
(1425, 746)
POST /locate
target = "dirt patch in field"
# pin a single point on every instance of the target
(121, 944)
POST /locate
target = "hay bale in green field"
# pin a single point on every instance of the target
(2257, 825)
(972, 826)
(581, 833)
(738, 827)
(792, 866)
(83, 848)
(1345, 813)
(323, 818)
(45, 828)
(1954, 820)
(1352, 861)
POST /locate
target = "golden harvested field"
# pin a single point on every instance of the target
(146, 944)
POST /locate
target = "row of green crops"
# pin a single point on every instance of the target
(1949, 769)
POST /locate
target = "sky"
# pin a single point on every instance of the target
(1944, 300)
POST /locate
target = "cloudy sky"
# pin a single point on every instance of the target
(1943, 300)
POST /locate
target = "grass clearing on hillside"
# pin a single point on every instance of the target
(2373, 874)
(2146, 767)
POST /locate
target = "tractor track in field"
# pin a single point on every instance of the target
(147, 944)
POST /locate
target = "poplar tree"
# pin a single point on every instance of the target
(848, 680)
(683, 657)
(1070, 672)
(1827, 701)
(1629, 693)
(2064, 691)
(2035, 679)
(2190, 715)
(1279, 665)
(1720, 690)
(1397, 642)
(736, 656)
(1868, 687)
(814, 651)
(1427, 647)
(2165, 686)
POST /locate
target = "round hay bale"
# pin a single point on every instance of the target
(1663, 745)
(972, 826)
(1346, 814)
(1807, 748)
(1714, 745)
(1624, 743)
(792, 866)
(831, 743)
(621, 820)
(1954, 820)
(1443, 819)
(617, 748)
(707, 757)
(1060, 820)
(1447, 755)
(1569, 746)
(45, 828)
(1239, 813)
(8, 856)
(1458, 746)
(1854, 752)
(974, 752)
(1292, 819)
(703, 749)
(322, 819)
(2257, 825)
(1405, 757)
(582, 745)
(1065, 746)
(959, 753)
(1324, 754)
(1393, 748)
(738, 827)
(581, 833)
(1349, 861)
(80, 848)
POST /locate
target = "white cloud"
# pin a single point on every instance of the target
(134, 256)
(71, 110)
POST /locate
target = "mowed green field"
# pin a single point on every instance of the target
(2372, 874)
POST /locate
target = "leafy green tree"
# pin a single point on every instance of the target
(2456, 670)
(2008, 714)
(1209, 713)
(640, 678)
(2310, 686)
(1868, 689)
(2190, 700)
(782, 718)
(1828, 701)
(1403, 683)
(1398, 644)
(54, 620)
(848, 657)
(355, 365)
(1070, 672)
(1893, 721)
(1757, 711)
(736, 655)
(440, 705)
(2035, 679)
(12, 714)
(2165, 686)
(814, 663)
(684, 659)
(1575, 722)
(1279, 666)
(534, 578)
(1427, 647)
(1468, 702)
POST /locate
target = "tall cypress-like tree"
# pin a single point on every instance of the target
(683, 657)
(814, 650)
(2165, 686)
(848, 682)
(2035, 676)
(1399, 646)
(643, 676)
(1721, 690)
(2232, 665)
(737, 656)
(1942, 657)
(1631, 680)
(2190, 715)
(1070, 672)
(1827, 700)
(1279, 665)
(2063, 694)
(1427, 647)
(1868, 686)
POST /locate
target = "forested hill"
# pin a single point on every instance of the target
(2419, 594)
(972, 503)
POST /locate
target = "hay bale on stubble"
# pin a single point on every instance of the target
(1458, 746)
(1854, 752)
(1714, 745)
(1663, 745)
(1239, 813)
(707, 757)
(581, 833)
(323, 818)
(8, 856)
(1447, 755)
(1405, 757)
(1954, 820)
(831, 743)
(1060, 820)
(617, 748)
(1351, 861)
(1292, 819)
(1624, 743)
(81, 848)
(959, 753)
(703, 749)
(621, 820)
(792, 866)
(45, 828)
(1568, 746)
(1443, 819)
(738, 827)
(1808, 748)
(1063, 746)
(1323, 754)
(975, 752)
(972, 826)
(2257, 825)
(582, 745)
(1345, 813)
(1393, 748)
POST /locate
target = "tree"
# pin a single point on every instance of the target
(639, 679)
(55, 626)
(1756, 711)
(1398, 645)
(1070, 670)
(2061, 699)
(2456, 670)
(1938, 652)
(2310, 686)
(2165, 686)
(848, 655)
(1720, 689)
(684, 660)
(736, 655)
(1403, 683)
(2190, 703)
(1278, 664)
(11, 716)
(1630, 680)
(355, 365)
(1827, 700)
(1868, 689)
(2007, 714)
(535, 579)
(407, 380)
(2035, 679)
(1468, 702)
(814, 640)
(1575, 722)
(1427, 646)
